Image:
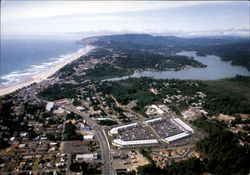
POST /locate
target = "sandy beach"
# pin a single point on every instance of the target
(44, 75)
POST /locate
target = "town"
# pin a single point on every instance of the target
(80, 122)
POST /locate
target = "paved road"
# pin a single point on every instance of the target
(100, 136)
(98, 129)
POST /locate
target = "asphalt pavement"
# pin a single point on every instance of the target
(100, 136)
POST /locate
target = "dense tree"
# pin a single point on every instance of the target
(70, 133)
(79, 167)
(108, 122)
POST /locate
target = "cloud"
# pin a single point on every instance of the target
(185, 18)
(180, 33)
(44, 9)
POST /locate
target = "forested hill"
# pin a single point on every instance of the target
(229, 48)
(164, 41)
(238, 53)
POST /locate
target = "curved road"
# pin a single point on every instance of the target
(100, 136)
(99, 132)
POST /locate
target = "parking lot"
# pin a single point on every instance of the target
(137, 133)
(166, 128)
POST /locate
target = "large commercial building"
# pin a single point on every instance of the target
(176, 137)
(182, 125)
(115, 130)
(139, 135)
(135, 143)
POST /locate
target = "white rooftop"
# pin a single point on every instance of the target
(49, 106)
(88, 137)
(121, 143)
(115, 130)
(153, 120)
(90, 156)
(182, 124)
(158, 109)
(176, 137)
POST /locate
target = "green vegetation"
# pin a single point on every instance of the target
(107, 122)
(72, 115)
(150, 169)
(228, 96)
(124, 60)
(85, 168)
(3, 144)
(136, 59)
(33, 108)
(228, 48)
(70, 133)
(16, 123)
(209, 126)
(59, 91)
(221, 149)
(131, 89)
(103, 71)
(51, 137)
(191, 166)
(32, 134)
(238, 53)
(78, 167)
(146, 155)
(223, 155)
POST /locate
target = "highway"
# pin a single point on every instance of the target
(100, 136)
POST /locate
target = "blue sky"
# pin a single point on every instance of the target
(81, 19)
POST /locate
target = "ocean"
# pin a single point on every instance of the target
(23, 58)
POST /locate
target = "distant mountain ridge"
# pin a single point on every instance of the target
(146, 39)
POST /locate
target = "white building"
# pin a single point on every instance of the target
(58, 111)
(82, 157)
(155, 120)
(134, 143)
(182, 125)
(80, 108)
(176, 137)
(49, 106)
(115, 130)
(88, 137)
(158, 109)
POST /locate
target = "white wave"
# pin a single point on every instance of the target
(16, 77)
(38, 66)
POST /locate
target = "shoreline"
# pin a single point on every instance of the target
(36, 78)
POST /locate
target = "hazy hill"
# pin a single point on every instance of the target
(229, 48)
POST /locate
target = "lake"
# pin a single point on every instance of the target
(216, 69)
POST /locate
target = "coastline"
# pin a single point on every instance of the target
(36, 78)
